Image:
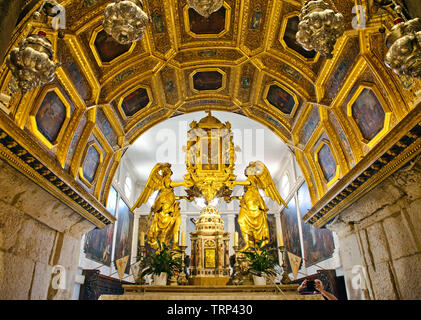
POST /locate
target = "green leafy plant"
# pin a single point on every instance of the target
(163, 260)
(261, 261)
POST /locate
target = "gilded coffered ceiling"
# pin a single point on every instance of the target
(244, 58)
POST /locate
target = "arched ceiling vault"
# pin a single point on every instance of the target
(243, 59)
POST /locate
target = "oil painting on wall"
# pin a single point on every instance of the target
(214, 24)
(290, 230)
(98, 242)
(207, 80)
(273, 241)
(105, 127)
(91, 164)
(191, 227)
(310, 125)
(143, 227)
(108, 49)
(327, 162)
(281, 99)
(135, 101)
(368, 113)
(123, 242)
(51, 116)
(318, 243)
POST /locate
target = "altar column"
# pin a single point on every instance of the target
(231, 230)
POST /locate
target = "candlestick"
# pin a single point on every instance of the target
(280, 239)
(236, 239)
(142, 239)
(183, 238)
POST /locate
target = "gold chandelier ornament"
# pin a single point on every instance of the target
(404, 48)
(205, 7)
(32, 62)
(125, 21)
(319, 27)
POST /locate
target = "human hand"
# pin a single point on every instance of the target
(303, 285)
(318, 285)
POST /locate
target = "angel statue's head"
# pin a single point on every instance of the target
(254, 168)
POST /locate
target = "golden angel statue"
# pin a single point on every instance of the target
(165, 210)
(253, 210)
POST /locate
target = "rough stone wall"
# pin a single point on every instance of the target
(382, 233)
(37, 232)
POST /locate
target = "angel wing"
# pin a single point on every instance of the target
(265, 181)
(153, 184)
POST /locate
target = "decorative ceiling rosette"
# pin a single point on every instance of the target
(125, 21)
(32, 62)
(319, 27)
(205, 7)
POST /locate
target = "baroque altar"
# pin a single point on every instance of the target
(210, 161)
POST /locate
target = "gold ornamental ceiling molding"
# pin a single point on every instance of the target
(19, 150)
(396, 149)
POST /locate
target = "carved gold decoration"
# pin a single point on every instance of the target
(251, 58)
(209, 156)
(319, 27)
(125, 21)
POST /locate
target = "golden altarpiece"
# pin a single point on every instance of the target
(210, 157)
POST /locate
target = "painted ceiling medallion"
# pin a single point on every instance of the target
(404, 44)
(125, 21)
(32, 62)
(205, 7)
(319, 27)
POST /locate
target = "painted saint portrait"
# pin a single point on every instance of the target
(207, 80)
(214, 24)
(91, 164)
(256, 19)
(310, 125)
(327, 162)
(78, 80)
(158, 23)
(108, 49)
(123, 242)
(135, 102)
(51, 116)
(281, 99)
(273, 240)
(368, 113)
(105, 127)
(290, 230)
(241, 242)
(98, 242)
(318, 243)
